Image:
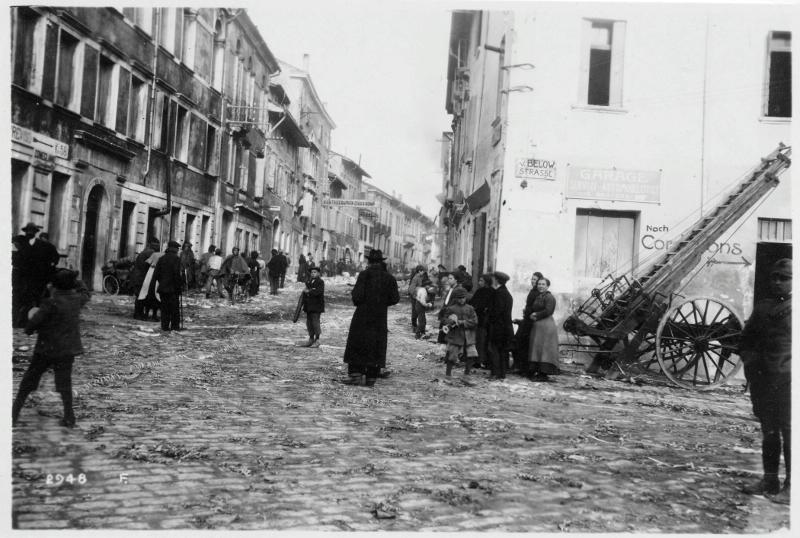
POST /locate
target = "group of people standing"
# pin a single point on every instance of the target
(477, 327)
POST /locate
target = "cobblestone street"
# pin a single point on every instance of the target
(227, 425)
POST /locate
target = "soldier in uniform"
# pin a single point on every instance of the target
(766, 351)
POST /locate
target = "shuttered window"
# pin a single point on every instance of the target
(775, 230)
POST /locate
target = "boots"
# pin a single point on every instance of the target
(314, 342)
(69, 416)
(449, 369)
(356, 379)
(19, 401)
(769, 485)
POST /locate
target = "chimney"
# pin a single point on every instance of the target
(306, 62)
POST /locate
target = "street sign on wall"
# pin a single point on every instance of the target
(535, 169)
(344, 202)
(614, 184)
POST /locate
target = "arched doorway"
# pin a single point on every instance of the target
(92, 253)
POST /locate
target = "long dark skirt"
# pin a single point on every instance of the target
(543, 353)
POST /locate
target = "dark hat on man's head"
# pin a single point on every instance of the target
(501, 277)
(375, 256)
(64, 279)
(313, 268)
(31, 226)
(782, 267)
(173, 244)
(458, 293)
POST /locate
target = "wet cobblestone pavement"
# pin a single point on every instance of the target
(227, 425)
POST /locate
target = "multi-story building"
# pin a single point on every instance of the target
(310, 184)
(586, 139)
(137, 123)
(344, 208)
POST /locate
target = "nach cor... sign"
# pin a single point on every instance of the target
(614, 184)
(535, 169)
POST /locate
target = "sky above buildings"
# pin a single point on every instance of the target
(381, 69)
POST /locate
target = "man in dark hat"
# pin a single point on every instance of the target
(57, 321)
(374, 292)
(766, 351)
(168, 275)
(39, 260)
(499, 325)
(313, 306)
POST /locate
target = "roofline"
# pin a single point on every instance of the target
(299, 73)
(252, 30)
(352, 163)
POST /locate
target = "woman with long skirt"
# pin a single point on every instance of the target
(543, 348)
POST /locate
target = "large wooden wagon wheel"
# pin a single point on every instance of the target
(696, 343)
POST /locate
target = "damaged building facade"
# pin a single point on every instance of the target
(586, 139)
(167, 123)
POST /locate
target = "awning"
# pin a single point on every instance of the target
(480, 197)
(335, 180)
(287, 126)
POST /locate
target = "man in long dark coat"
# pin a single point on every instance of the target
(766, 351)
(500, 327)
(374, 292)
(274, 268)
(39, 259)
(520, 352)
(170, 285)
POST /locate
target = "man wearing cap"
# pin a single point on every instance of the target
(499, 325)
(374, 292)
(766, 351)
(313, 306)
(168, 276)
(57, 321)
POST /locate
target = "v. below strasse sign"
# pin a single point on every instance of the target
(344, 202)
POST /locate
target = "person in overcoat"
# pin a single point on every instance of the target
(523, 334)
(313, 306)
(543, 339)
(187, 265)
(480, 301)
(374, 292)
(138, 274)
(57, 321)
(170, 285)
(302, 269)
(766, 351)
(499, 326)
(148, 294)
(274, 268)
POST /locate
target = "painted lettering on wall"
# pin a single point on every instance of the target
(651, 242)
(536, 169)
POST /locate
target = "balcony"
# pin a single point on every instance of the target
(409, 240)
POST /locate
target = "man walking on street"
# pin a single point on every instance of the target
(313, 306)
(170, 285)
(274, 270)
(214, 267)
(283, 267)
(374, 292)
(58, 324)
(766, 351)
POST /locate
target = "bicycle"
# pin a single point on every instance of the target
(116, 277)
(238, 293)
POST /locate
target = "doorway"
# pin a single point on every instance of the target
(89, 250)
(478, 246)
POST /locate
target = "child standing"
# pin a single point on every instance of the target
(424, 302)
(460, 322)
(314, 306)
(58, 322)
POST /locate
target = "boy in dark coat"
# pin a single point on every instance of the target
(374, 292)
(313, 306)
(59, 340)
(170, 284)
(766, 351)
(459, 328)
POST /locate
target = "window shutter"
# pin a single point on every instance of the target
(617, 61)
(585, 55)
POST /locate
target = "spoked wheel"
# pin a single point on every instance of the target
(110, 285)
(696, 343)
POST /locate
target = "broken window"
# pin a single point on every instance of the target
(779, 72)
